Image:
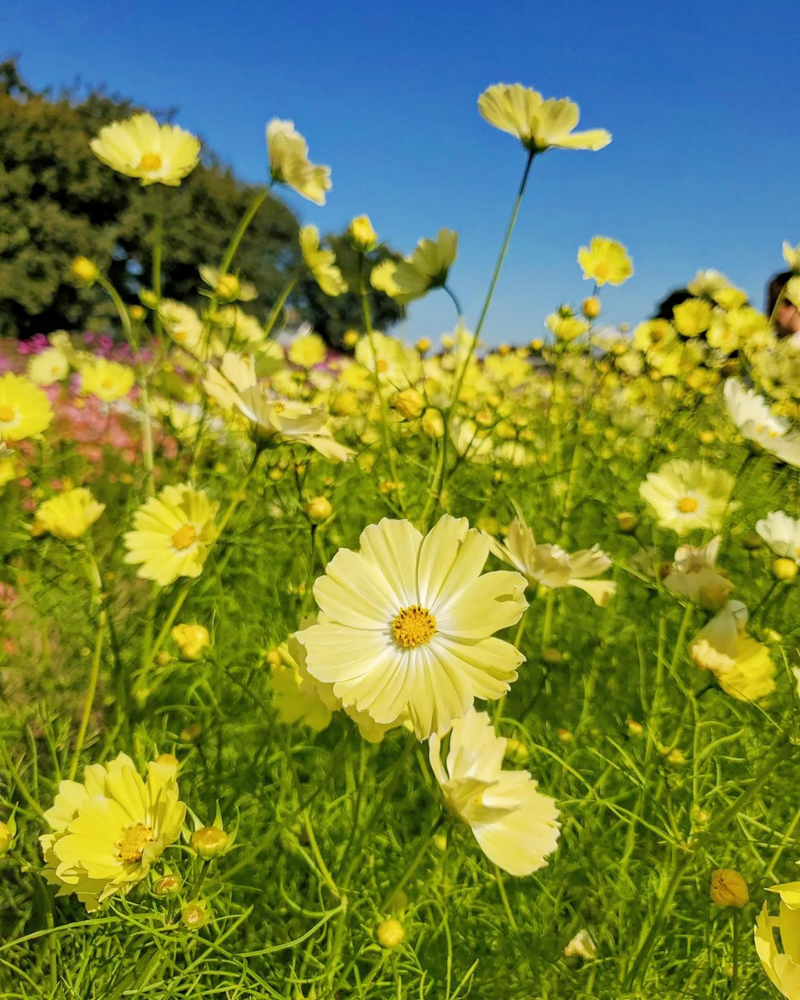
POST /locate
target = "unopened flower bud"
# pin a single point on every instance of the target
(784, 569)
(191, 732)
(319, 509)
(433, 423)
(391, 933)
(191, 640)
(728, 888)
(136, 312)
(350, 338)
(148, 298)
(362, 235)
(209, 841)
(164, 658)
(591, 307)
(167, 886)
(423, 345)
(707, 437)
(626, 522)
(194, 915)
(552, 655)
(409, 403)
(564, 735)
(6, 837)
(228, 287)
(516, 750)
(752, 542)
(398, 901)
(84, 271)
(274, 658)
(634, 728)
(440, 842)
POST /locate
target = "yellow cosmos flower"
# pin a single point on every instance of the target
(565, 326)
(605, 261)
(782, 966)
(514, 823)
(109, 829)
(24, 408)
(756, 422)
(140, 147)
(321, 263)
(708, 283)
(68, 515)
(171, 535)
(792, 256)
(382, 278)
(52, 365)
(687, 495)
(694, 575)
(227, 287)
(289, 163)
(742, 666)
(186, 328)
(692, 317)
(308, 350)
(426, 268)
(108, 380)
(362, 234)
(538, 123)
(407, 623)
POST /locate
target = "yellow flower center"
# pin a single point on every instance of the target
(107, 383)
(150, 161)
(279, 407)
(687, 505)
(601, 269)
(184, 536)
(414, 626)
(134, 840)
(382, 365)
(6, 413)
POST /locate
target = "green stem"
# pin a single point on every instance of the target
(736, 931)
(547, 627)
(279, 304)
(94, 674)
(241, 229)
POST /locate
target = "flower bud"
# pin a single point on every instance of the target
(707, 437)
(168, 760)
(164, 658)
(728, 888)
(319, 509)
(167, 886)
(391, 933)
(784, 569)
(228, 287)
(209, 841)
(136, 312)
(409, 403)
(564, 735)
(516, 750)
(191, 732)
(634, 728)
(194, 915)
(84, 271)
(591, 307)
(552, 655)
(274, 658)
(398, 901)
(191, 640)
(752, 542)
(432, 423)
(440, 842)
(148, 298)
(423, 345)
(626, 522)
(362, 235)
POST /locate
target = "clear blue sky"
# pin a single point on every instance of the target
(702, 99)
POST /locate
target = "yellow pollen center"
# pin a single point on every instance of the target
(134, 840)
(279, 407)
(107, 383)
(6, 413)
(687, 505)
(414, 626)
(184, 536)
(382, 364)
(150, 161)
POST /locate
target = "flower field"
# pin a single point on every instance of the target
(412, 671)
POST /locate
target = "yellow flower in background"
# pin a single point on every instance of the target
(708, 283)
(742, 666)
(792, 256)
(140, 147)
(362, 235)
(730, 298)
(382, 278)
(186, 328)
(427, 267)
(24, 409)
(110, 829)
(605, 261)
(227, 287)
(289, 163)
(68, 515)
(171, 535)
(538, 123)
(687, 495)
(321, 263)
(108, 380)
(692, 317)
(51, 365)
(407, 623)
(652, 333)
(308, 350)
(388, 359)
(566, 326)
(514, 823)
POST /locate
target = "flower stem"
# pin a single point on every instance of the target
(94, 674)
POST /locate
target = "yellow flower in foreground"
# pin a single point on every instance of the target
(68, 515)
(514, 823)
(687, 495)
(52, 365)
(538, 123)
(140, 147)
(308, 350)
(109, 829)
(742, 666)
(407, 624)
(321, 263)
(171, 536)
(551, 566)
(692, 317)
(24, 408)
(427, 267)
(605, 261)
(289, 163)
(108, 380)
(782, 967)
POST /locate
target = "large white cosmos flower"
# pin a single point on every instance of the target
(407, 622)
(781, 533)
(757, 423)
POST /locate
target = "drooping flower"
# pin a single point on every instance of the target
(426, 268)
(321, 263)
(687, 495)
(109, 829)
(24, 408)
(781, 533)
(407, 624)
(289, 163)
(551, 566)
(68, 515)
(758, 424)
(742, 666)
(694, 575)
(108, 380)
(140, 147)
(515, 825)
(605, 261)
(538, 123)
(171, 534)
(782, 967)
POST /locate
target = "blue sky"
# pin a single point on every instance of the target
(701, 99)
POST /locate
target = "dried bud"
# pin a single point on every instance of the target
(728, 888)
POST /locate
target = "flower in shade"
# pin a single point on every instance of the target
(108, 380)
(24, 408)
(515, 825)
(551, 566)
(605, 261)
(781, 533)
(289, 163)
(538, 123)
(742, 665)
(782, 966)
(694, 575)
(321, 263)
(68, 515)
(140, 147)
(171, 534)
(407, 624)
(109, 829)
(759, 425)
(51, 365)
(687, 495)
(427, 267)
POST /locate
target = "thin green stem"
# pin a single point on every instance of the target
(279, 304)
(94, 673)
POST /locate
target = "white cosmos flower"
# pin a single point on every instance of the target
(694, 575)
(515, 824)
(781, 533)
(687, 495)
(551, 566)
(757, 423)
(407, 624)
